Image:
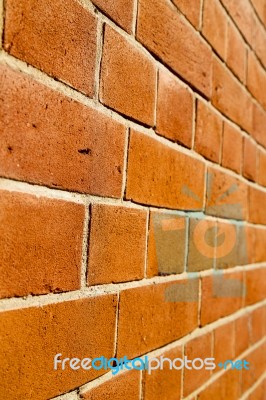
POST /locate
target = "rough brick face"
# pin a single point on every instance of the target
(165, 34)
(121, 11)
(190, 9)
(31, 229)
(36, 31)
(262, 168)
(232, 148)
(250, 159)
(117, 244)
(128, 78)
(65, 144)
(257, 210)
(174, 110)
(236, 54)
(256, 79)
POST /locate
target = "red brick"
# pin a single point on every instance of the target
(122, 386)
(201, 244)
(232, 148)
(56, 36)
(31, 337)
(259, 392)
(260, 7)
(255, 285)
(226, 195)
(167, 244)
(236, 55)
(200, 347)
(162, 176)
(259, 123)
(34, 235)
(174, 110)
(230, 97)
(258, 324)
(241, 334)
(257, 364)
(262, 168)
(224, 343)
(164, 384)
(128, 78)
(121, 11)
(250, 159)
(159, 314)
(256, 79)
(257, 209)
(165, 33)
(215, 25)
(208, 136)
(117, 244)
(221, 295)
(226, 387)
(190, 9)
(65, 144)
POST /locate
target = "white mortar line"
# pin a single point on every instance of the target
(84, 263)
(246, 395)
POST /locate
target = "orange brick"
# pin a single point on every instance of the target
(167, 244)
(262, 168)
(250, 159)
(242, 334)
(232, 154)
(164, 384)
(259, 42)
(236, 55)
(162, 176)
(159, 314)
(121, 11)
(224, 343)
(201, 244)
(221, 295)
(199, 347)
(128, 78)
(255, 285)
(162, 30)
(117, 244)
(258, 324)
(256, 79)
(31, 337)
(174, 110)
(226, 387)
(191, 10)
(259, 392)
(56, 36)
(226, 195)
(65, 144)
(208, 136)
(257, 209)
(230, 97)
(34, 235)
(215, 25)
(260, 7)
(257, 364)
(260, 245)
(122, 386)
(259, 123)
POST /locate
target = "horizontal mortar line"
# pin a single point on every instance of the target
(72, 395)
(81, 98)
(246, 395)
(15, 303)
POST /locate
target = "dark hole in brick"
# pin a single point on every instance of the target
(84, 151)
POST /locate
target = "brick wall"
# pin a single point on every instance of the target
(133, 193)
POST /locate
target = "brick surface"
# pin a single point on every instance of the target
(65, 144)
(128, 78)
(256, 79)
(257, 210)
(258, 324)
(257, 364)
(34, 234)
(242, 334)
(190, 10)
(56, 36)
(117, 244)
(260, 7)
(161, 29)
(232, 154)
(121, 11)
(236, 54)
(258, 124)
(262, 168)
(159, 314)
(160, 175)
(259, 392)
(226, 386)
(255, 285)
(224, 343)
(174, 110)
(208, 137)
(31, 337)
(250, 160)
(259, 43)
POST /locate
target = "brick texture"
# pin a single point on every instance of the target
(121, 11)
(232, 154)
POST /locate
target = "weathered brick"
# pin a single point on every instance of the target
(232, 148)
(262, 167)
(226, 195)
(255, 285)
(190, 9)
(162, 176)
(167, 244)
(256, 79)
(250, 159)
(236, 54)
(215, 25)
(65, 144)
(128, 78)
(174, 110)
(208, 137)
(121, 11)
(257, 209)
(159, 314)
(56, 36)
(117, 244)
(162, 30)
(31, 337)
(34, 233)
(230, 97)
